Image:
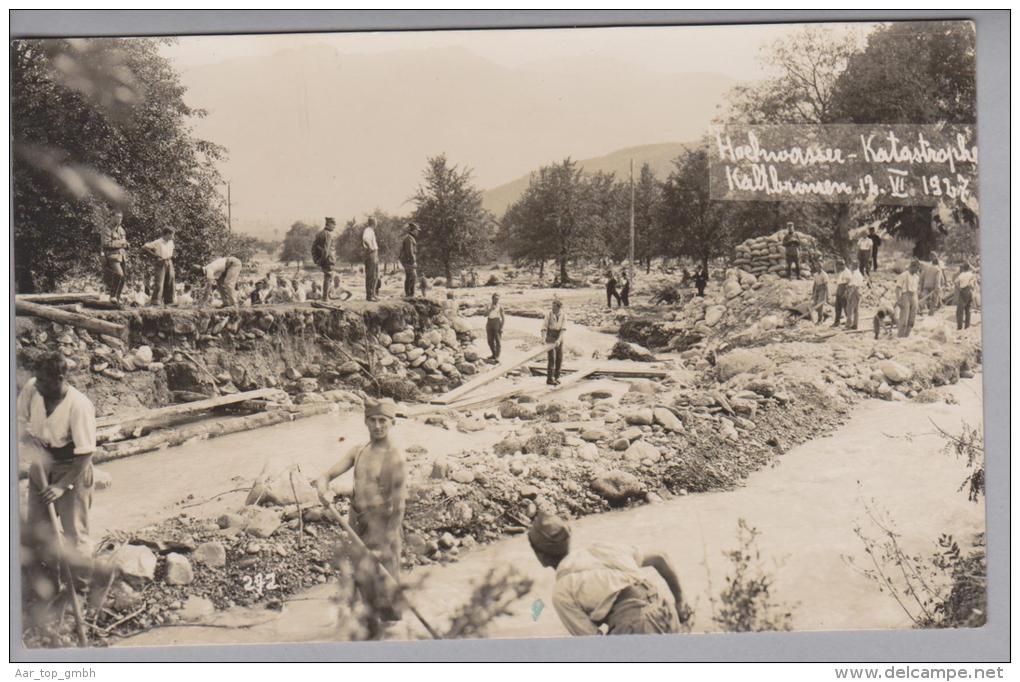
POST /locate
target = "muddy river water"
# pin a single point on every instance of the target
(805, 507)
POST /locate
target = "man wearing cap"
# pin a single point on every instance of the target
(409, 259)
(114, 244)
(377, 507)
(603, 584)
(162, 249)
(370, 247)
(58, 422)
(324, 254)
(552, 332)
(222, 275)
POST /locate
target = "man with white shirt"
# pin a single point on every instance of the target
(853, 297)
(370, 248)
(222, 275)
(162, 249)
(843, 277)
(966, 282)
(57, 423)
(552, 331)
(864, 254)
(906, 298)
(932, 280)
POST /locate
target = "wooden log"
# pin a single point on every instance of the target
(634, 371)
(490, 376)
(65, 317)
(58, 298)
(161, 413)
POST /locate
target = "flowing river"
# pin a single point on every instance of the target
(805, 507)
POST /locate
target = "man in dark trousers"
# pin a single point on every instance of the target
(876, 241)
(114, 243)
(409, 259)
(552, 332)
(791, 242)
(324, 254)
(370, 248)
(164, 284)
(611, 292)
(625, 289)
(700, 280)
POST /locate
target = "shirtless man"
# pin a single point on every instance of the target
(377, 507)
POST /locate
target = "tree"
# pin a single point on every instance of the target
(692, 223)
(648, 241)
(808, 65)
(98, 124)
(914, 72)
(454, 226)
(297, 243)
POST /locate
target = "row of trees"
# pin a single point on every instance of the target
(99, 125)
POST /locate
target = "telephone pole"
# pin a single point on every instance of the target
(630, 268)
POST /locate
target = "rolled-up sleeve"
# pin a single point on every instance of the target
(83, 427)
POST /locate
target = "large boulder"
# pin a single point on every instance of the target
(617, 487)
(210, 554)
(741, 361)
(894, 372)
(641, 417)
(135, 561)
(668, 420)
(641, 450)
(713, 314)
(261, 522)
(178, 570)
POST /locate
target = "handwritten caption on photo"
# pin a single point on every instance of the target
(905, 165)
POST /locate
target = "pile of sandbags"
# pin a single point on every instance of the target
(767, 254)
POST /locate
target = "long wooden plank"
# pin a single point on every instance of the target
(618, 371)
(161, 413)
(58, 298)
(490, 376)
(65, 317)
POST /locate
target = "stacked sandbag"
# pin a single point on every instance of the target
(768, 255)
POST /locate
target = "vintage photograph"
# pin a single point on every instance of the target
(417, 335)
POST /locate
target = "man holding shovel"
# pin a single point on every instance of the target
(61, 422)
(377, 510)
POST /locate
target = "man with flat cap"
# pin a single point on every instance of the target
(409, 259)
(603, 584)
(377, 508)
(324, 254)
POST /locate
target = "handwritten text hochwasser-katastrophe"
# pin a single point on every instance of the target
(919, 165)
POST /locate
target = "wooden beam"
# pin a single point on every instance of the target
(58, 298)
(490, 376)
(64, 317)
(160, 414)
(623, 371)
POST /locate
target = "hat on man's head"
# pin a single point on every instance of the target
(413, 227)
(382, 406)
(549, 534)
(330, 221)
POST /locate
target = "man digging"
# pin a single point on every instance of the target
(377, 510)
(602, 585)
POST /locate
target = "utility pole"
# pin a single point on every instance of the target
(630, 269)
(230, 220)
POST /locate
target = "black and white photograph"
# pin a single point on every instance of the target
(497, 334)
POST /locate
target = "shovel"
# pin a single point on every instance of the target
(38, 477)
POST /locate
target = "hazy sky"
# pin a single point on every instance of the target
(314, 123)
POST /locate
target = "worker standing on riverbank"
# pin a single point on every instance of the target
(602, 585)
(370, 249)
(114, 244)
(494, 328)
(164, 283)
(819, 292)
(966, 282)
(843, 278)
(552, 331)
(932, 281)
(409, 259)
(853, 298)
(791, 243)
(906, 298)
(60, 422)
(611, 292)
(324, 254)
(864, 255)
(377, 509)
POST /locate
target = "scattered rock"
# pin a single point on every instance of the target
(640, 451)
(668, 420)
(196, 608)
(178, 570)
(741, 361)
(617, 487)
(894, 372)
(642, 417)
(135, 561)
(210, 554)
